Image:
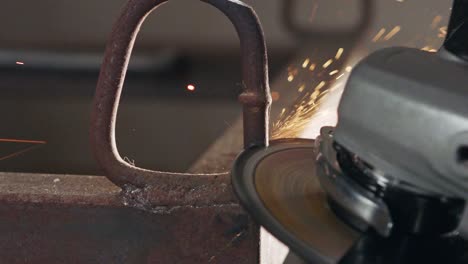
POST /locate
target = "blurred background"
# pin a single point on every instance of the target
(180, 92)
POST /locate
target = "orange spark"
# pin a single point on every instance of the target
(328, 63)
(275, 96)
(312, 67)
(436, 21)
(283, 111)
(339, 53)
(339, 77)
(191, 87)
(333, 72)
(379, 35)
(36, 143)
(301, 88)
(320, 85)
(442, 32)
(392, 33)
(17, 153)
(22, 141)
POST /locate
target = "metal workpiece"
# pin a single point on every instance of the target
(191, 211)
(87, 219)
(255, 99)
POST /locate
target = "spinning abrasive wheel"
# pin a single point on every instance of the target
(387, 185)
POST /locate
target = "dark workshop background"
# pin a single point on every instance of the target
(50, 54)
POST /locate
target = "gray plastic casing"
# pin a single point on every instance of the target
(405, 112)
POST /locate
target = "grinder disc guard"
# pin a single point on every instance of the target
(278, 186)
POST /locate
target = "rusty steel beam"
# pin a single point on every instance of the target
(87, 219)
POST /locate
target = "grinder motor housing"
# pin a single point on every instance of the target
(405, 112)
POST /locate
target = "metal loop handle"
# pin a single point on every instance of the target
(367, 7)
(255, 97)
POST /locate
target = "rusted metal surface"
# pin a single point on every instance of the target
(255, 97)
(153, 191)
(87, 219)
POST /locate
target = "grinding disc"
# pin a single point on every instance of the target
(279, 187)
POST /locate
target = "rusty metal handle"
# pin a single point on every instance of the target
(255, 97)
(367, 8)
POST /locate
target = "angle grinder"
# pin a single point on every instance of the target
(389, 183)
